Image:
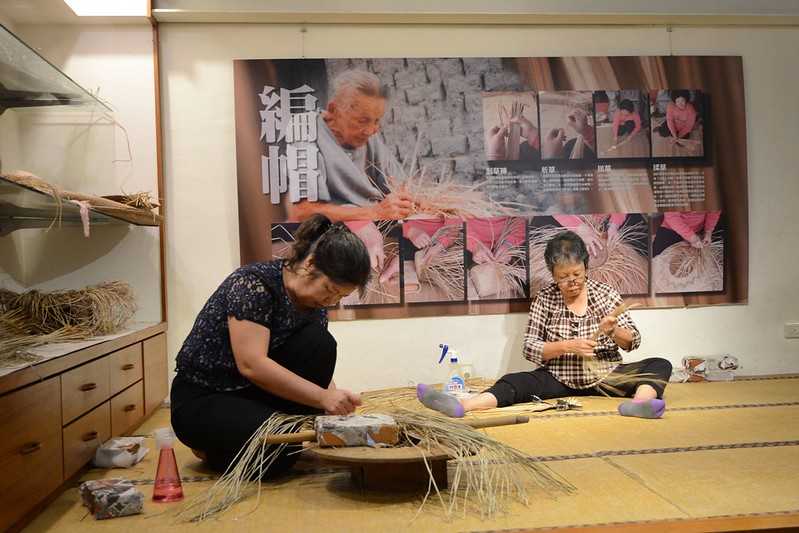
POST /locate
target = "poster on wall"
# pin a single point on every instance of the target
(455, 172)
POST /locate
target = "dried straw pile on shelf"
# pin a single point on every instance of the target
(35, 318)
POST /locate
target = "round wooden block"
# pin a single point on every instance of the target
(365, 454)
(398, 469)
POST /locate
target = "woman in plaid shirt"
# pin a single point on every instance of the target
(562, 320)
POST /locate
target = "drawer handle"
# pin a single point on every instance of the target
(30, 447)
(129, 366)
(89, 436)
(87, 387)
(130, 407)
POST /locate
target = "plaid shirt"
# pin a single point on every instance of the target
(550, 320)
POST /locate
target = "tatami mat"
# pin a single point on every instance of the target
(722, 449)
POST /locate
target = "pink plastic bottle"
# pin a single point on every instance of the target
(168, 487)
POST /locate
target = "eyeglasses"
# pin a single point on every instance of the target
(571, 280)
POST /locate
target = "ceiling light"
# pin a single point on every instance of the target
(104, 8)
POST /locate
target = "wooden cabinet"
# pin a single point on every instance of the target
(83, 388)
(125, 367)
(127, 409)
(30, 448)
(83, 436)
(156, 382)
(53, 416)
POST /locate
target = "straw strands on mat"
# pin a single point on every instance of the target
(683, 268)
(35, 318)
(618, 263)
(487, 473)
(444, 270)
(243, 479)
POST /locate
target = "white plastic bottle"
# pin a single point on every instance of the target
(455, 383)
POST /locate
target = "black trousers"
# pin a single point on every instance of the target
(625, 128)
(520, 387)
(664, 238)
(664, 131)
(219, 423)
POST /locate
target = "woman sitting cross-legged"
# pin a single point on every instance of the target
(561, 323)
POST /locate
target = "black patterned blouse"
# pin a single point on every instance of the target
(253, 292)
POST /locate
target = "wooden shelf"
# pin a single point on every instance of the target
(63, 356)
(26, 205)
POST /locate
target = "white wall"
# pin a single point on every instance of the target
(117, 63)
(201, 184)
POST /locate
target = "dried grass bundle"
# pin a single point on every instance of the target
(138, 200)
(618, 263)
(506, 278)
(97, 203)
(445, 197)
(441, 195)
(487, 473)
(381, 401)
(97, 310)
(14, 346)
(35, 318)
(683, 268)
(243, 478)
(444, 270)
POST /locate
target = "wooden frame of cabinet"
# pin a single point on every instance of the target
(54, 415)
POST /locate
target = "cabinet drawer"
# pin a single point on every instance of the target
(83, 388)
(30, 448)
(127, 409)
(85, 435)
(125, 367)
(156, 384)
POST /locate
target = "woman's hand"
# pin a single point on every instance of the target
(613, 230)
(373, 240)
(431, 252)
(495, 147)
(482, 254)
(695, 241)
(418, 237)
(608, 324)
(590, 238)
(553, 144)
(339, 401)
(707, 239)
(526, 128)
(581, 347)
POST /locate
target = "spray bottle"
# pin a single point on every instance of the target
(168, 487)
(455, 383)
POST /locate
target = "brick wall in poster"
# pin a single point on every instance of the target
(439, 101)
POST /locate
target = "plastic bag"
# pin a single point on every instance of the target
(120, 452)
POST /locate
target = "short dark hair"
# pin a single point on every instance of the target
(337, 252)
(627, 105)
(680, 93)
(565, 247)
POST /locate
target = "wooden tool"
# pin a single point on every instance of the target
(615, 313)
(368, 430)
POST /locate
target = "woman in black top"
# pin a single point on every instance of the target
(260, 345)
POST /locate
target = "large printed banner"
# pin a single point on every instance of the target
(455, 172)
